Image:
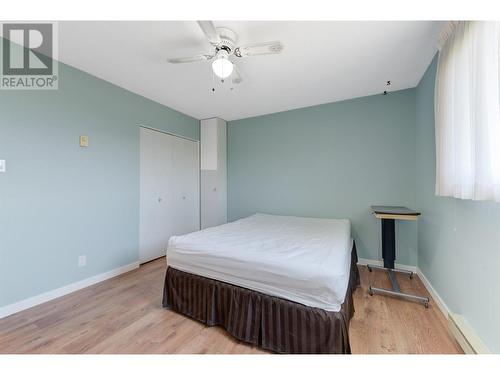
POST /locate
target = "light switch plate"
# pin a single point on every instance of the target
(2, 166)
(82, 261)
(84, 141)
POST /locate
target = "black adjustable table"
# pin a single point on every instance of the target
(388, 215)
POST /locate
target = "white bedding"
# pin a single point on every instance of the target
(304, 260)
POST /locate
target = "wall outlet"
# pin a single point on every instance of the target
(2, 166)
(82, 261)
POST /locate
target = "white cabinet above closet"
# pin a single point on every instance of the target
(213, 172)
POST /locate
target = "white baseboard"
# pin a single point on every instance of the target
(468, 340)
(59, 292)
(434, 294)
(465, 335)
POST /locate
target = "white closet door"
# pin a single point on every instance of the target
(169, 195)
(156, 171)
(186, 196)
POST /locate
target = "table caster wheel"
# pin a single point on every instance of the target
(411, 276)
(370, 292)
(369, 268)
(426, 304)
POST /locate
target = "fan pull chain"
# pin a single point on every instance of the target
(213, 79)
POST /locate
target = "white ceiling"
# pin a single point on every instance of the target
(322, 62)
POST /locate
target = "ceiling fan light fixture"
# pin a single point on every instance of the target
(222, 66)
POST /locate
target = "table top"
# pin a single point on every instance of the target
(395, 212)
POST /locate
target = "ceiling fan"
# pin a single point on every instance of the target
(223, 40)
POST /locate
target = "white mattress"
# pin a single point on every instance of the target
(304, 260)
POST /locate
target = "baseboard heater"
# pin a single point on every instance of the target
(465, 336)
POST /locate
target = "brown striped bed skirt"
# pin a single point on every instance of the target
(271, 323)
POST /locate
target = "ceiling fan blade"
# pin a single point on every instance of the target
(181, 60)
(265, 48)
(236, 76)
(210, 32)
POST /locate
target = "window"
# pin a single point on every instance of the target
(467, 112)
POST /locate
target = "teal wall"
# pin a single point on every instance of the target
(58, 200)
(458, 240)
(332, 160)
(335, 160)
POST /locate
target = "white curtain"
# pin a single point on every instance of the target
(467, 112)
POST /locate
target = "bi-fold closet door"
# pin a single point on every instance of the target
(169, 190)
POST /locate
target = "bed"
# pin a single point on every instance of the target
(280, 282)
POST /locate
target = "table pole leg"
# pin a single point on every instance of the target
(388, 242)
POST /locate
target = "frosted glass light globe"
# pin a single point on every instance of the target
(221, 66)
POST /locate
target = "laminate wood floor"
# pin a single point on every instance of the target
(124, 315)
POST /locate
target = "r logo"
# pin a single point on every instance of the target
(27, 49)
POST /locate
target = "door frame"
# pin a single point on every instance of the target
(169, 133)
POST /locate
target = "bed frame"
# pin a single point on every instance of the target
(272, 323)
